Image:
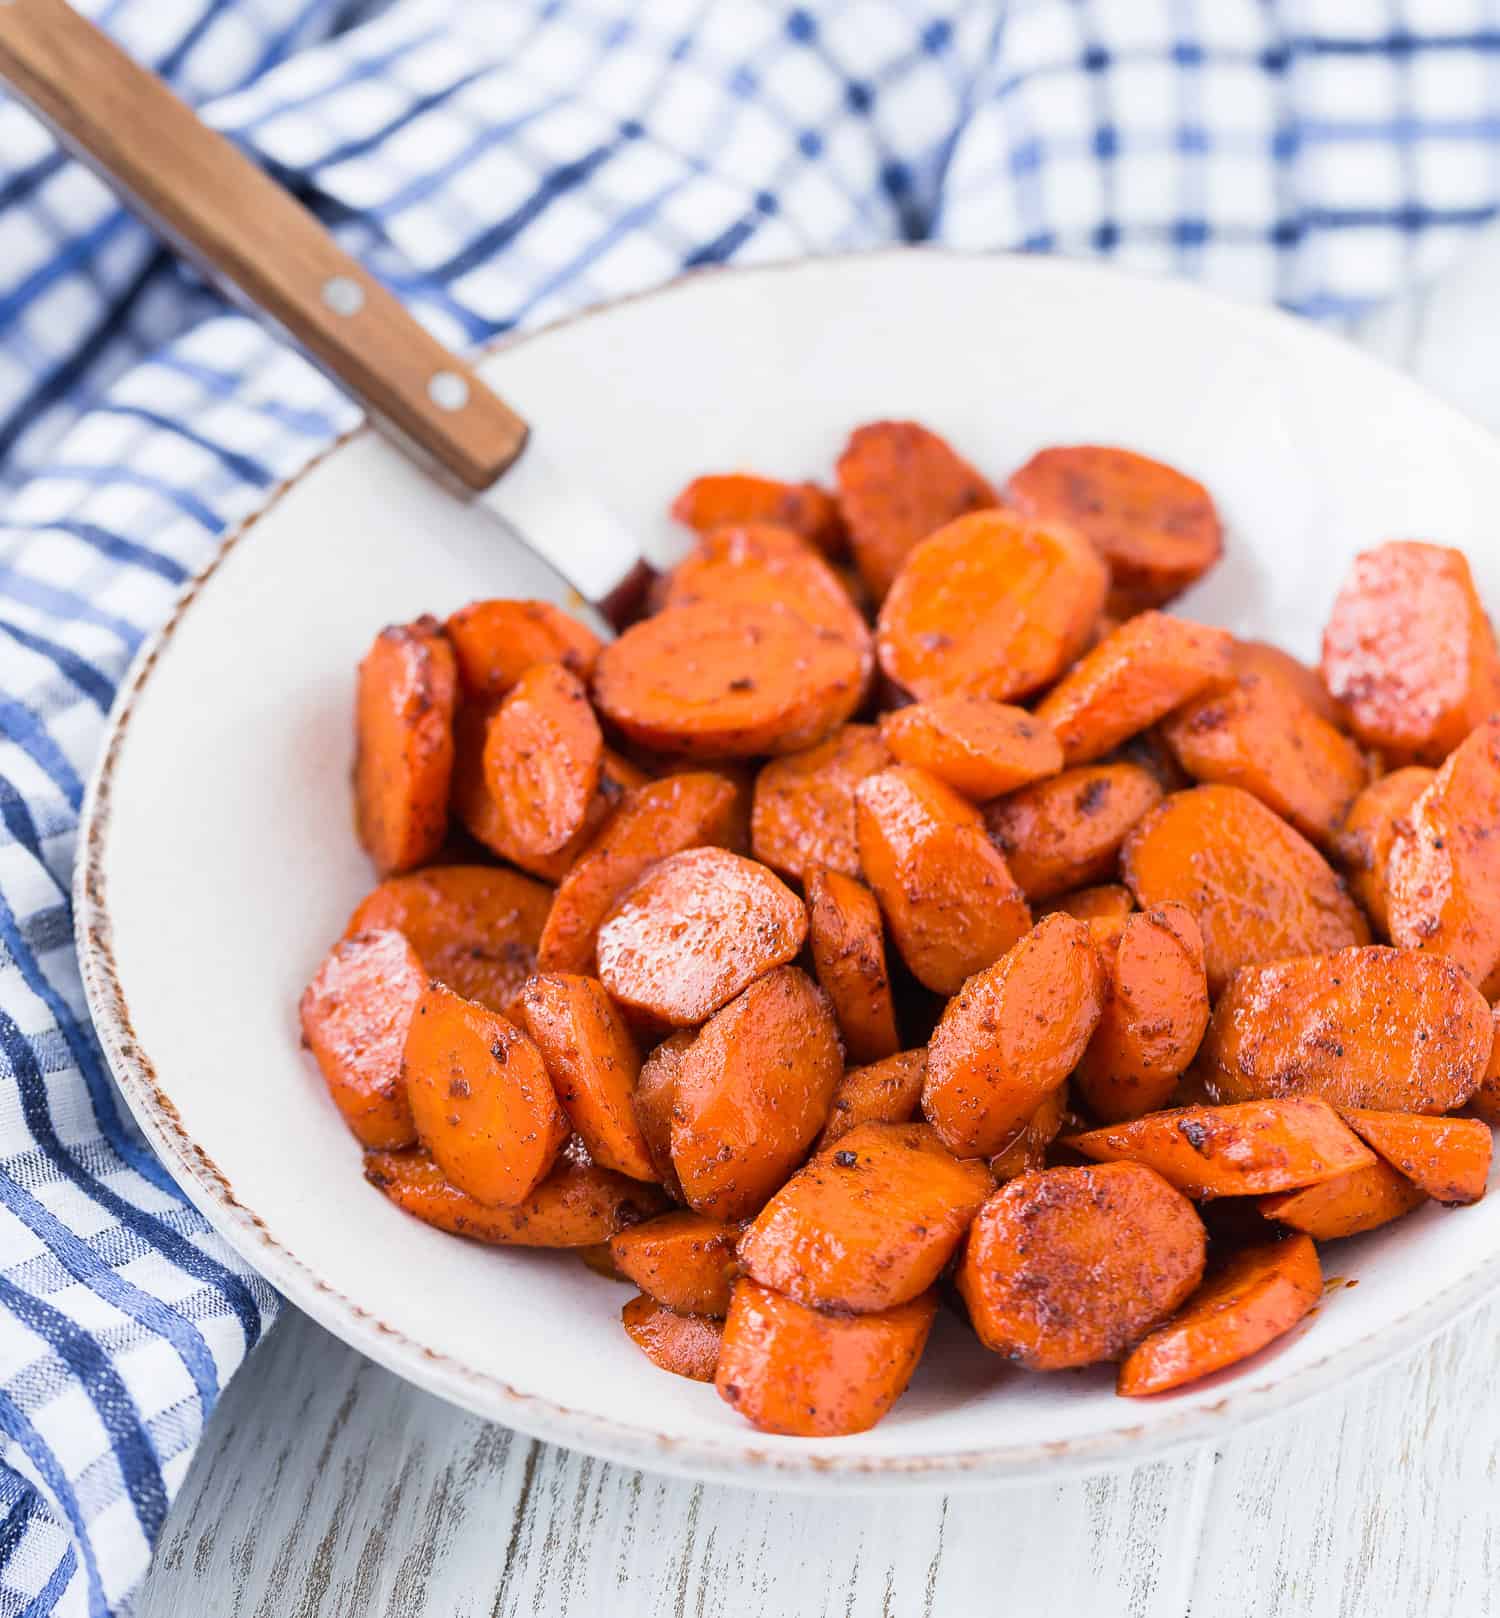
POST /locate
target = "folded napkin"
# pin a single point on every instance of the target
(501, 164)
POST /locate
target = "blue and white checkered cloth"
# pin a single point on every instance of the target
(501, 162)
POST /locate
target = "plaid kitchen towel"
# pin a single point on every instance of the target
(500, 162)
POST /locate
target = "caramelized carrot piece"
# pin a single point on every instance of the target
(979, 747)
(868, 1224)
(725, 500)
(355, 1014)
(1486, 1097)
(803, 814)
(990, 606)
(1271, 663)
(1361, 1200)
(1362, 844)
(1156, 527)
(848, 950)
(1110, 901)
(1011, 1034)
(543, 754)
(655, 1093)
(1446, 1158)
(682, 1260)
(1150, 665)
(1246, 1149)
(898, 483)
(685, 1345)
(497, 641)
(1028, 1151)
(1259, 1295)
(945, 890)
(1070, 1266)
(884, 1092)
(790, 1369)
(694, 930)
(403, 733)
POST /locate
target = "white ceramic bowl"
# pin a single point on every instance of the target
(218, 863)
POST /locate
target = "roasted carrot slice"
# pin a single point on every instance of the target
(655, 1092)
(1361, 1200)
(1156, 527)
(1258, 889)
(803, 814)
(1110, 901)
(593, 1064)
(1070, 1266)
(497, 641)
(1372, 1027)
(1066, 832)
(403, 736)
(848, 950)
(1011, 1034)
(1447, 1158)
(1028, 1150)
(867, 1224)
(1486, 1098)
(685, 1345)
(1247, 1149)
(473, 927)
(1271, 663)
(1362, 844)
(717, 680)
(1410, 653)
(1150, 665)
(885, 1092)
(945, 890)
(790, 1369)
(682, 1260)
(480, 1098)
(355, 1014)
(578, 1204)
(979, 747)
(723, 500)
(652, 821)
(694, 930)
(1154, 1017)
(1259, 1295)
(752, 1094)
(898, 483)
(990, 606)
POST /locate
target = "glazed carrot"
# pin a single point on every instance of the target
(1150, 665)
(979, 747)
(868, 1224)
(655, 1092)
(1361, 1200)
(945, 890)
(990, 606)
(1410, 653)
(480, 1098)
(596, 1259)
(1258, 889)
(1247, 1149)
(682, 1260)
(1362, 844)
(693, 931)
(803, 814)
(497, 641)
(1443, 870)
(717, 680)
(885, 1092)
(790, 1369)
(1028, 1151)
(848, 950)
(1271, 663)
(685, 1345)
(473, 927)
(403, 737)
(727, 499)
(1259, 1295)
(652, 821)
(1066, 832)
(1154, 1017)
(1011, 1034)
(1156, 527)
(1258, 735)
(543, 755)
(1110, 901)
(593, 1064)
(1486, 1098)
(1447, 1158)
(355, 1014)
(752, 1094)
(898, 483)
(578, 1204)
(1070, 1266)
(1372, 1027)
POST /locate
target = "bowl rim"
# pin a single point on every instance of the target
(1211, 1413)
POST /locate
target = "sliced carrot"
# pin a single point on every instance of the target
(682, 1260)
(979, 747)
(1486, 1097)
(884, 1092)
(1110, 901)
(727, 499)
(1362, 844)
(694, 931)
(497, 641)
(403, 733)
(1361, 1200)
(685, 1345)
(543, 754)
(655, 1093)
(1259, 1295)
(1149, 751)
(1272, 663)
(1028, 1150)
(803, 814)
(1447, 1158)
(848, 950)
(1246, 1149)
(597, 1260)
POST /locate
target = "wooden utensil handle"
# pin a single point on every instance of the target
(245, 230)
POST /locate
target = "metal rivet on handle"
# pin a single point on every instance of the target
(343, 294)
(448, 390)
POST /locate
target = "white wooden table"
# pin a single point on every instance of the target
(326, 1486)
